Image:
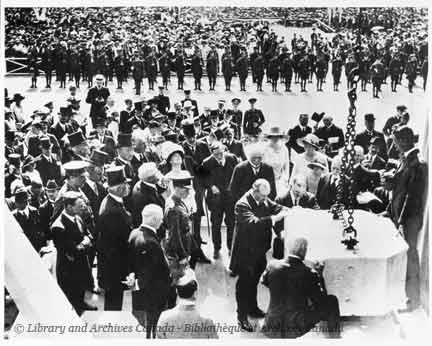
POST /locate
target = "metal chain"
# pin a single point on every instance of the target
(346, 171)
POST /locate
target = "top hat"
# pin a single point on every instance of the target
(65, 111)
(124, 140)
(116, 176)
(188, 128)
(98, 158)
(171, 115)
(14, 159)
(76, 138)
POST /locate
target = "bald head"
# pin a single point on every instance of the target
(297, 247)
(152, 215)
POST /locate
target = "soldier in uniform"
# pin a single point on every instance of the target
(321, 68)
(120, 70)
(349, 66)
(180, 242)
(258, 70)
(151, 68)
(242, 69)
(227, 68)
(180, 67)
(377, 75)
(253, 119)
(395, 69)
(363, 71)
(165, 68)
(252, 58)
(48, 63)
(273, 71)
(75, 65)
(287, 66)
(336, 71)
(212, 67)
(33, 65)
(196, 67)
(236, 116)
(62, 65)
(137, 72)
(303, 68)
(411, 71)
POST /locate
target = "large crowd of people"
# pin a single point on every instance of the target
(124, 189)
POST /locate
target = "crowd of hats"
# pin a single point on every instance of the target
(110, 26)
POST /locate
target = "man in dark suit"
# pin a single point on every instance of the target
(149, 271)
(104, 137)
(372, 158)
(125, 115)
(162, 101)
(297, 195)
(97, 97)
(194, 103)
(332, 136)
(255, 216)
(297, 132)
(328, 186)
(46, 164)
(28, 218)
(253, 119)
(113, 228)
(293, 286)
(146, 192)
(217, 172)
(364, 138)
(47, 208)
(63, 126)
(234, 146)
(246, 172)
(73, 242)
(409, 187)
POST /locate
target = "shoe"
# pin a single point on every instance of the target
(87, 306)
(245, 325)
(203, 259)
(216, 254)
(257, 313)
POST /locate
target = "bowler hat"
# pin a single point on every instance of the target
(124, 140)
(76, 138)
(116, 176)
(369, 117)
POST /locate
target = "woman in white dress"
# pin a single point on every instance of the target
(276, 155)
(311, 155)
(18, 111)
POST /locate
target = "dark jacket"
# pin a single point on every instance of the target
(253, 119)
(97, 107)
(147, 261)
(294, 134)
(113, 228)
(243, 177)
(293, 286)
(327, 191)
(72, 267)
(48, 169)
(307, 200)
(363, 139)
(32, 227)
(142, 195)
(252, 233)
(410, 185)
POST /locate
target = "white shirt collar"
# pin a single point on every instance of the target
(185, 302)
(25, 211)
(149, 184)
(116, 198)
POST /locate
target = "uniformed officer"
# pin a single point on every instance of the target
(377, 75)
(227, 67)
(165, 67)
(273, 71)
(395, 69)
(197, 67)
(137, 72)
(321, 71)
(336, 71)
(151, 68)
(258, 70)
(180, 67)
(212, 66)
(236, 116)
(242, 67)
(287, 66)
(253, 119)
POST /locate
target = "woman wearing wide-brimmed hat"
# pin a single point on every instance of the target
(311, 154)
(276, 155)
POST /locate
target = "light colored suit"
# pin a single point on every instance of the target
(185, 322)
